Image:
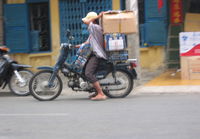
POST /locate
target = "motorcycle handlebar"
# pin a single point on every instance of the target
(67, 45)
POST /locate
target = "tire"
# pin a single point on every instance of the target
(114, 91)
(20, 88)
(39, 88)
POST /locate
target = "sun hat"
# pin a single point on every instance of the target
(89, 16)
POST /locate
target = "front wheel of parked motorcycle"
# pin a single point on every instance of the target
(41, 89)
(18, 87)
(119, 86)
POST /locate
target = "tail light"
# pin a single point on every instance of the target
(133, 63)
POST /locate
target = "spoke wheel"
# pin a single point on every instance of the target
(21, 88)
(41, 89)
(122, 88)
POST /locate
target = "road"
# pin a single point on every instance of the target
(73, 116)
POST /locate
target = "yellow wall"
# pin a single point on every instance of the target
(152, 57)
(15, 1)
(116, 4)
(55, 28)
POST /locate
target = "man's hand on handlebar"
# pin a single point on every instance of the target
(78, 46)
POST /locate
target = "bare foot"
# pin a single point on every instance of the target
(99, 97)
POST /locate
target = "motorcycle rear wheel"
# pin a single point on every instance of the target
(20, 88)
(40, 89)
(118, 91)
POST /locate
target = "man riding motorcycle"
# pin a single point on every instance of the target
(95, 40)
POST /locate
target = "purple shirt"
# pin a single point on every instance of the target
(96, 40)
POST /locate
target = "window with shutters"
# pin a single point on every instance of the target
(39, 26)
(16, 28)
(27, 27)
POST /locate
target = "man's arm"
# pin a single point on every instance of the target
(79, 45)
(86, 42)
(93, 19)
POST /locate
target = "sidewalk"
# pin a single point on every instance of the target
(169, 82)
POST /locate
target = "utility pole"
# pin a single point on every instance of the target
(133, 39)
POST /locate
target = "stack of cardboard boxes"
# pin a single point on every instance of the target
(190, 47)
(116, 25)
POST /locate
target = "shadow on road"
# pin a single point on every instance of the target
(6, 94)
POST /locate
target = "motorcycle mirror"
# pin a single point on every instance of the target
(68, 32)
(71, 38)
(69, 35)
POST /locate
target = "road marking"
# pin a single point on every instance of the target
(33, 114)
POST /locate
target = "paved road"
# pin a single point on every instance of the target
(73, 116)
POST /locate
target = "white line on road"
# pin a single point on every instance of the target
(33, 114)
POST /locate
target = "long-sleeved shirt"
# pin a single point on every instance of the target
(96, 40)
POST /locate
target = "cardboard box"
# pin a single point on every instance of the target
(82, 55)
(190, 67)
(189, 43)
(119, 22)
(115, 42)
(192, 22)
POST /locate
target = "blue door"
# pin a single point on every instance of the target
(71, 13)
(153, 12)
(16, 28)
(154, 30)
(156, 33)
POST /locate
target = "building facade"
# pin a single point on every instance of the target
(34, 29)
(160, 22)
(40, 27)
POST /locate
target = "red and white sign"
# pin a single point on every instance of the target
(189, 43)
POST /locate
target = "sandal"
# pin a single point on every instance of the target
(93, 95)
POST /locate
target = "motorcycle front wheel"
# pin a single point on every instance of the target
(20, 88)
(118, 86)
(41, 90)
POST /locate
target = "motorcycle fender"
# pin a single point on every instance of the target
(19, 66)
(24, 66)
(132, 72)
(45, 68)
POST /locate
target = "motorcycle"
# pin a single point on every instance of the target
(116, 79)
(17, 76)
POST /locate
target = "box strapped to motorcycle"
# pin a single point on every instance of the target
(82, 56)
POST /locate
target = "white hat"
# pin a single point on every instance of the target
(90, 15)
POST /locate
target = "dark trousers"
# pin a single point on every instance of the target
(91, 68)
